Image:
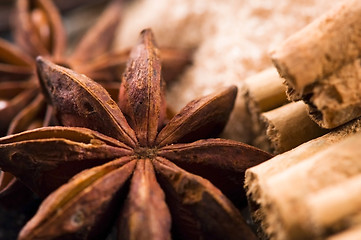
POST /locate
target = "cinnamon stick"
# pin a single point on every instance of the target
(321, 65)
(353, 233)
(337, 206)
(263, 92)
(276, 128)
(337, 99)
(312, 191)
(289, 126)
(321, 47)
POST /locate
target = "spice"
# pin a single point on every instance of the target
(263, 92)
(278, 124)
(321, 65)
(148, 165)
(39, 31)
(318, 184)
(288, 126)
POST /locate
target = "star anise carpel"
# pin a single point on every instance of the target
(146, 171)
(38, 30)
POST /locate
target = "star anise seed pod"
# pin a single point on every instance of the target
(39, 31)
(142, 170)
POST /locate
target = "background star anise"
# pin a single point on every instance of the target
(39, 31)
(145, 170)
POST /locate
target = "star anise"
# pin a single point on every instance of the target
(39, 31)
(148, 171)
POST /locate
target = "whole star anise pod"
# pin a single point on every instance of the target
(150, 172)
(39, 31)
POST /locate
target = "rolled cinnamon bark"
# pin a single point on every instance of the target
(321, 65)
(353, 233)
(289, 126)
(278, 125)
(335, 207)
(320, 48)
(312, 191)
(263, 92)
(337, 99)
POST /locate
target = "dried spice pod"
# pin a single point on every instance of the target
(15, 100)
(39, 30)
(183, 203)
(145, 209)
(90, 108)
(142, 101)
(205, 117)
(43, 171)
(93, 214)
(15, 65)
(206, 158)
(25, 119)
